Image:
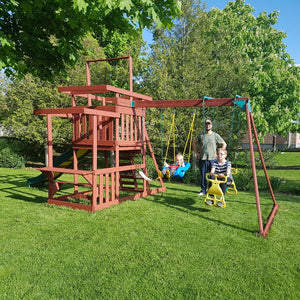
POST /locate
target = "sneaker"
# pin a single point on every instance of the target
(201, 193)
(160, 174)
(168, 174)
(220, 204)
(209, 202)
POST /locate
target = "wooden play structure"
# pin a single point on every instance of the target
(116, 125)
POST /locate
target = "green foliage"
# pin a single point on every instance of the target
(18, 103)
(19, 148)
(222, 53)
(10, 159)
(24, 95)
(272, 79)
(244, 179)
(43, 38)
(192, 176)
(276, 183)
(150, 167)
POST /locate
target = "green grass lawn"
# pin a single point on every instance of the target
(167, 246)
(287, 158)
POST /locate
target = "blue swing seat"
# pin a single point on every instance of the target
(180, 172)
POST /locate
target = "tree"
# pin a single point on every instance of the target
(182, 67)
(222, 53)
(43, 37)
(24, 95)
(273, 79)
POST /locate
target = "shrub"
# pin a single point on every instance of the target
(243, 179)
(192, 176)
(275, 183)
(10, 159)
(28, 151)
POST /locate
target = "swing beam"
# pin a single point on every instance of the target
(243, 102)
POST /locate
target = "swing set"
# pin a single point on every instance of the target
(113, 122)
(244, 104)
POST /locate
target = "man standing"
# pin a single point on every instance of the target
(207, 144)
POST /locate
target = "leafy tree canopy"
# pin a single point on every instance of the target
(272, 78)
(22, 96)
(221, 53)
(43, 37)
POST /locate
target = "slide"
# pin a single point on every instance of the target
(62, 161)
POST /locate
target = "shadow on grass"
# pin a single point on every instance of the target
(186, 205)
(15, 188)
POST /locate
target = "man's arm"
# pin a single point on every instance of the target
(221, 141)
(224, 145)
(194, 146)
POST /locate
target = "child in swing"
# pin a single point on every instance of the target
(222, 168)
(169, 170)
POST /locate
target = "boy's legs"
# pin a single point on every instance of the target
(223, 187)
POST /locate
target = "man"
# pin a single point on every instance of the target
(207, 144)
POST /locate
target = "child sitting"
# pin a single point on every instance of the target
(169, 170)
(222, 168)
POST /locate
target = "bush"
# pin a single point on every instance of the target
(10, 159)
(275, 183)
(26, 150)
(243, 179)
(192, 176)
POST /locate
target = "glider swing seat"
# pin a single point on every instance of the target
(119, 129)
(231, 189)
(215, 195)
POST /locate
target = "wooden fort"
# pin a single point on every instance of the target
(114, 126)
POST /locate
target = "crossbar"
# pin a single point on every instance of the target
(189, 103)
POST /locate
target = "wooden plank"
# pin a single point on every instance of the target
(101, 89)
(77, 110)
(188, 103)
(62, 170)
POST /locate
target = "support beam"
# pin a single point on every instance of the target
(189, 103)
(260, 222)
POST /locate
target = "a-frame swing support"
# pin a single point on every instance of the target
(244, 103)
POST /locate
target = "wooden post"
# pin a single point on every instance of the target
(50, 142)
(260, 223)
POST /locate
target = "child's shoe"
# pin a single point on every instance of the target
(168, 174)
(160, 174)
(209, 202)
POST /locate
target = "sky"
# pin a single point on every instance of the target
(288, 20)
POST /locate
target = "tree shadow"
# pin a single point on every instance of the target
(16, 189)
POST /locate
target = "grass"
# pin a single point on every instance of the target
(287, 158)
(167, 246)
